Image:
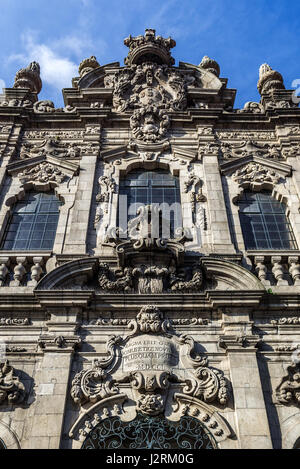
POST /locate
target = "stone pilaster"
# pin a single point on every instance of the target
(77, 237)
(221, 238)
(252, 425)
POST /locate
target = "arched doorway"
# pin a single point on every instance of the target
(145, 432)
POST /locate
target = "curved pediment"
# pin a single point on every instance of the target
(227, 275)
(210, 274)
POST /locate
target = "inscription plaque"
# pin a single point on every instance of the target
(148, 352)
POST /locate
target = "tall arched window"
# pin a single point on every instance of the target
(33, 223)
(264, 222)
(156, 189)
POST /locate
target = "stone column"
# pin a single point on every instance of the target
(252, 425)
(221, 238)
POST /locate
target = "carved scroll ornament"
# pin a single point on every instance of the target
(146, 360)
(289, 389)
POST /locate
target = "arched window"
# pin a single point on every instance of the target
(158, 189)
(264, 222)
(33, 223)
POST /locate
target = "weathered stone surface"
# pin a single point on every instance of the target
(117, 321)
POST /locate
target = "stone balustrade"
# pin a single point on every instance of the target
(274, 269)
(22, 269)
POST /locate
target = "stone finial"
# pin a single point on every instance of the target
(269, 80)
(149, 48)
(210, 65)
(29, 77)
(87, 65)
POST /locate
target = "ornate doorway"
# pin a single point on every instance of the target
(146, 432)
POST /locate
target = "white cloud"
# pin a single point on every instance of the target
(2, 84)
(56, 69)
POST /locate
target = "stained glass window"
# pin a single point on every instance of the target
(33, 223)
(264, 222)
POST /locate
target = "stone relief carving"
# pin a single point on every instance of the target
(55, 134)
(178, 284)
(291, 151)
(149, 360)
(124, 322)
(190, 187)
(254, 173)
(43, 173)
(148, 84)
(249, 148)
(149, 124)
(150, 279)
(11, 388)
(25, 103)
(107, 188)
(253, 108)
(289, 389)
(115, 282)
(242, 135)
(287, 348)
(52, 147)
(41, 107)
(14, 322)
(286, 321)
(151, 91)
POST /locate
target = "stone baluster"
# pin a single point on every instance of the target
(294, 269)
(4, 263)
(278, 270)
(36, 271)
(261, 270)
(19, 272)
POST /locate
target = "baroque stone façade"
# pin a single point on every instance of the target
(116, 326)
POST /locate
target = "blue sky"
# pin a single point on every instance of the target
(239, 34)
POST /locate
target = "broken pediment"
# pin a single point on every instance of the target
(144, 277)
(50, 147)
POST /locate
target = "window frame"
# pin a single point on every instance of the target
(128, 184)
(37, 212)
(260, 198)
